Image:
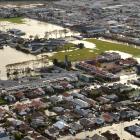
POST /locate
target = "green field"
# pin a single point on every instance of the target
(2, 102)
(18, 20)
(106, 46)
(67, 47)
(75, 55)
(101, 46)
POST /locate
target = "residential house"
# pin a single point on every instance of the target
(3, 134)
(107, 117)
(67, 97)
(80, 103)
(87, 123)
(61, 125)
(52, 132)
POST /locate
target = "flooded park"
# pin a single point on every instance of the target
(31, 28)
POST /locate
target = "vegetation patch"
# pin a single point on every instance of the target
(17, 20)
(103, 46)
(86, 53)
(75, 55)
(2, 101)
(67, 47)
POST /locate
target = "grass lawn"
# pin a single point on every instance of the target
(18, 20)
(2, 102)
(101, 46)
(75, 55)
(106, 46)
(68, 46)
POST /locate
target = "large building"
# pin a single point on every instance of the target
(108, 57)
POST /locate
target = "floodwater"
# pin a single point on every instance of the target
(9, 55)
(31, 28)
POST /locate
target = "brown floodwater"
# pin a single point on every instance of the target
(31, 28)
(10, 55)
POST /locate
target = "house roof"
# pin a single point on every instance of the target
(60, 124)
(98, 137)
(107, 117)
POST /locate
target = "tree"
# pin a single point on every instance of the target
(55, 61)
(65, 32)
(80, 45)
(36, 37)
(31, 37)
(46, 35)
(18, 136)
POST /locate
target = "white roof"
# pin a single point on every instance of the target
(60, 124)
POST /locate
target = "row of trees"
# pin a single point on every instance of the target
(57, 33)
(53, 34)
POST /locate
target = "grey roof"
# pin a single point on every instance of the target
(97, 137)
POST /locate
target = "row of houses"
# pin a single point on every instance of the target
(107, 65)
(68, 111)
(91, 113)
(108, 57)
(50, 45)
(98, 73)
(134, 130)
(89, 21)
